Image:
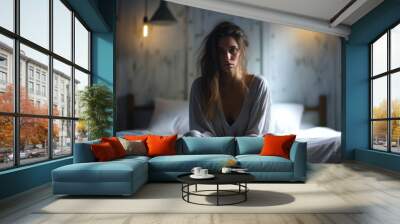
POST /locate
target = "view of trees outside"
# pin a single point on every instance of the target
(6, 141)
(380, 138)
(34, 81)
(380, 59)
(33, 138)
(379, 128)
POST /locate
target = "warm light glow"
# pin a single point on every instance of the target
(145, 30)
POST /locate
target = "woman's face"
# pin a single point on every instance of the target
(228, 54)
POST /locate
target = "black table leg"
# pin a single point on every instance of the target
(188, 189)
(245, 193)
(217, 194)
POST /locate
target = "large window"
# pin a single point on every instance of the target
(385, 91)
(44, 64)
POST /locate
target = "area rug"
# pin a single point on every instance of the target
(167, 198)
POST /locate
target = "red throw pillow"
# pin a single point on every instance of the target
(116, 145)
(277, 145)
(161, 145)
(103, 151)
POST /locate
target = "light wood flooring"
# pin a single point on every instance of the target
(378, 188)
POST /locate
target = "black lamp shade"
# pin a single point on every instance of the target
(163, 16)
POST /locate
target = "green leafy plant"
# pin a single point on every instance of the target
(96, 103)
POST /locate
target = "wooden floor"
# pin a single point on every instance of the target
(377, 188)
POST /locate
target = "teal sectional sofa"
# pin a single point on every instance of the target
(125, 176)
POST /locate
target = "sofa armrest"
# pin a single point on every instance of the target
(298, 155)
(83, 152)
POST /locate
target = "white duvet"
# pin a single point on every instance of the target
(323, 144)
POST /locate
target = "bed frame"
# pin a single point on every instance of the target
(138, 117)
(321, 109)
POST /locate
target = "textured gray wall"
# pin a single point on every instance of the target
(299, 65)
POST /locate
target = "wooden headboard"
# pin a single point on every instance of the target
(321, 109)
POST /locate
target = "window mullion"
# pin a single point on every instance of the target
(370, 98)
(73, 83)
(16, 84)
(50, 81)
(18, 75)
(389, 76)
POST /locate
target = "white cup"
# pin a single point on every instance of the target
(226, 170)
(196, 170)
(203, 172)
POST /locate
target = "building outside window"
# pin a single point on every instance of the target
(43, 78)
(3, 79)
(3, 61)
(30, 87)
(43, 90)
(37, 75)
(3, 71)
(30, 72)
(34, 74)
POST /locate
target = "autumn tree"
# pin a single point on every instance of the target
(380, 127)
(33, 131)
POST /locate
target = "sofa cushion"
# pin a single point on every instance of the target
(83, 152)
(111, 171)
(257, 163)
(185, 163)
(133, 158)
(208, 145)
(249, 145)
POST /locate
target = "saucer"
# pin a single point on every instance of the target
(208, 176)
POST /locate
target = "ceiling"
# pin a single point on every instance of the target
(328, 16)
(320, 9)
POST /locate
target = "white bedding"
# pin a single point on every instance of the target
(323, 144)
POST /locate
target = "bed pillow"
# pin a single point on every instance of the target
(170, 117)
(285, 118)
(277, 145)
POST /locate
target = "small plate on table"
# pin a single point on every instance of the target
(208, 176)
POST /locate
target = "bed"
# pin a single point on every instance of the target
(167, 117)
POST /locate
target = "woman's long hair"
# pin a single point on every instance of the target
(210, 68)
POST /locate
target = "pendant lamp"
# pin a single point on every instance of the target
(163, 15)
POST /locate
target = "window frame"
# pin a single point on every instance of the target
(388, 74)
(16, 115)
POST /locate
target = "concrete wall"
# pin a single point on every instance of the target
(165, 63)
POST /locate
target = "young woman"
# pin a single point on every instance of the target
(226, 100)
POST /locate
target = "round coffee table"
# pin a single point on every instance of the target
(238, 179)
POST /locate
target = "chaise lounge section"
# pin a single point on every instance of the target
(125, 176)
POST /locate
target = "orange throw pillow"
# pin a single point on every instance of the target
(161, 145)
(116, 145)
(103, 151)
(277, 145)
(135, 137)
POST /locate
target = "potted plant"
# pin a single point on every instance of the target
(96, 104)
